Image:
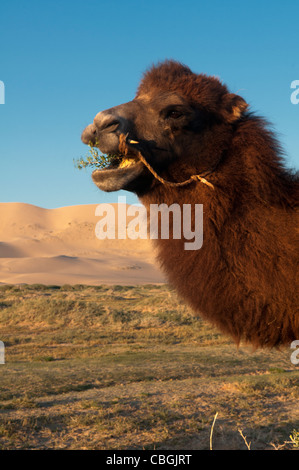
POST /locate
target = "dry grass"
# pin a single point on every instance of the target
(114, 367)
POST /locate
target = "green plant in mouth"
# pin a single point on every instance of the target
(95, 159)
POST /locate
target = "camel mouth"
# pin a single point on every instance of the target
(122, 170)
(120, 162)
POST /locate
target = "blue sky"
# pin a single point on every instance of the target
(64, 61)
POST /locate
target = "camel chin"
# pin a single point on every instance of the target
(115, 179)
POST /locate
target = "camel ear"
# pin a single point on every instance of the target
(232, 107)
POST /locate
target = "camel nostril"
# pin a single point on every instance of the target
(110, 126)
(106, 122)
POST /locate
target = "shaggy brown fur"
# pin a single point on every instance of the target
(244, 279)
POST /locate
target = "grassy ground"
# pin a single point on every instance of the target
(114, 367)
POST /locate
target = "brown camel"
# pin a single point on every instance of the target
(244, 278)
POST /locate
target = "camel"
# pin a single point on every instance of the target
(200, 144)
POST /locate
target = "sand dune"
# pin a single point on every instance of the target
(59, 246)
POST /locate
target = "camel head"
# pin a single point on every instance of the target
(178, 120)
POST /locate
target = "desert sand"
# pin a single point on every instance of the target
(59, 246)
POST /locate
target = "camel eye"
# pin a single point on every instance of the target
(174, 114)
